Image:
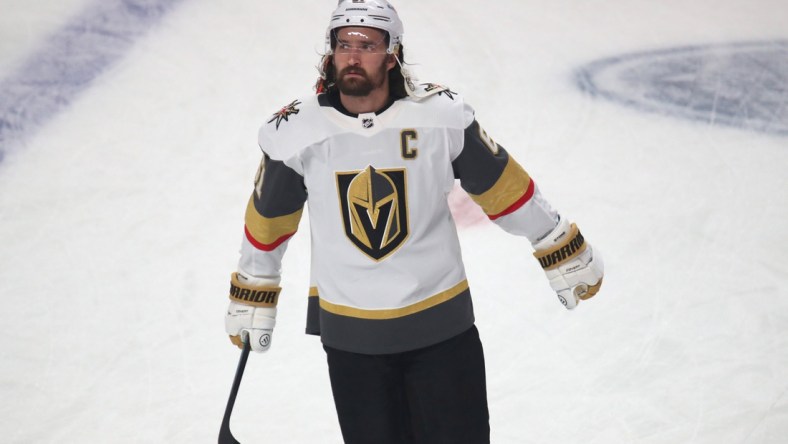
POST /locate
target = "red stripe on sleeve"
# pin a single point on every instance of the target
(529, 193)
(266, 247)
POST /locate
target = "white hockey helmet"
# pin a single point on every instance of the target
(377, 14)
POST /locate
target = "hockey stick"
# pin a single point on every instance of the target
(225, 435)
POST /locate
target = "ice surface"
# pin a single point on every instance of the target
(121, 215)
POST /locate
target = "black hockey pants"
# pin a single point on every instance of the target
(433, 395)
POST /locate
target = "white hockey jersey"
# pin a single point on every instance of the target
(387, 272)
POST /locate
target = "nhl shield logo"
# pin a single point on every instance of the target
(374, 209)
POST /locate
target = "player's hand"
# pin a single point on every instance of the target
(255, 324)
(251, 314)
(574, 269)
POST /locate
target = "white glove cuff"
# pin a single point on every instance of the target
(258, 281)
(554, 236)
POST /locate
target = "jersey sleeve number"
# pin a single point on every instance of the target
(488, 142)
(258, 179)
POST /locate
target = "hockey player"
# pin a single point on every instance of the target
(375, 156)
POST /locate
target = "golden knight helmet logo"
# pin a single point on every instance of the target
(374, 209)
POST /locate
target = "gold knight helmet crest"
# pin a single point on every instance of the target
(375, 193)
(374, 210)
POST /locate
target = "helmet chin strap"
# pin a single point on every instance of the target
(410, 87)
(414, 92)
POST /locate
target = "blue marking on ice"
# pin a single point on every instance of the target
(743, 85)
(73, 56)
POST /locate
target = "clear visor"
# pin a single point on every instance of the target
(355, 40)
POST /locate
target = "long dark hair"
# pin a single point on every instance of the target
(327, 80)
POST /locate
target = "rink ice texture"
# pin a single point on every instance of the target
(122, 200)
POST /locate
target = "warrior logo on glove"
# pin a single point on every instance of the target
(374, 209)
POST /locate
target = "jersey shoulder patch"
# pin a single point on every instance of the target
(434, 105)
(440, 90)
(291, 128)
(424, 90)
(283, 115)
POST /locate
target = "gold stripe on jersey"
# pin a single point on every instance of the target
(393, 313)
(268, 230)
(507, 190)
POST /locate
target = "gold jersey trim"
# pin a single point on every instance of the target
(267, 230)
(507, 190)
(392, 313)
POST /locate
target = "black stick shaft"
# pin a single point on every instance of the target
(225, 435)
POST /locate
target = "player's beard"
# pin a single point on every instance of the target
(360, 86)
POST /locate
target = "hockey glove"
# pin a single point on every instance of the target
(573, 268)
(251, 314)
